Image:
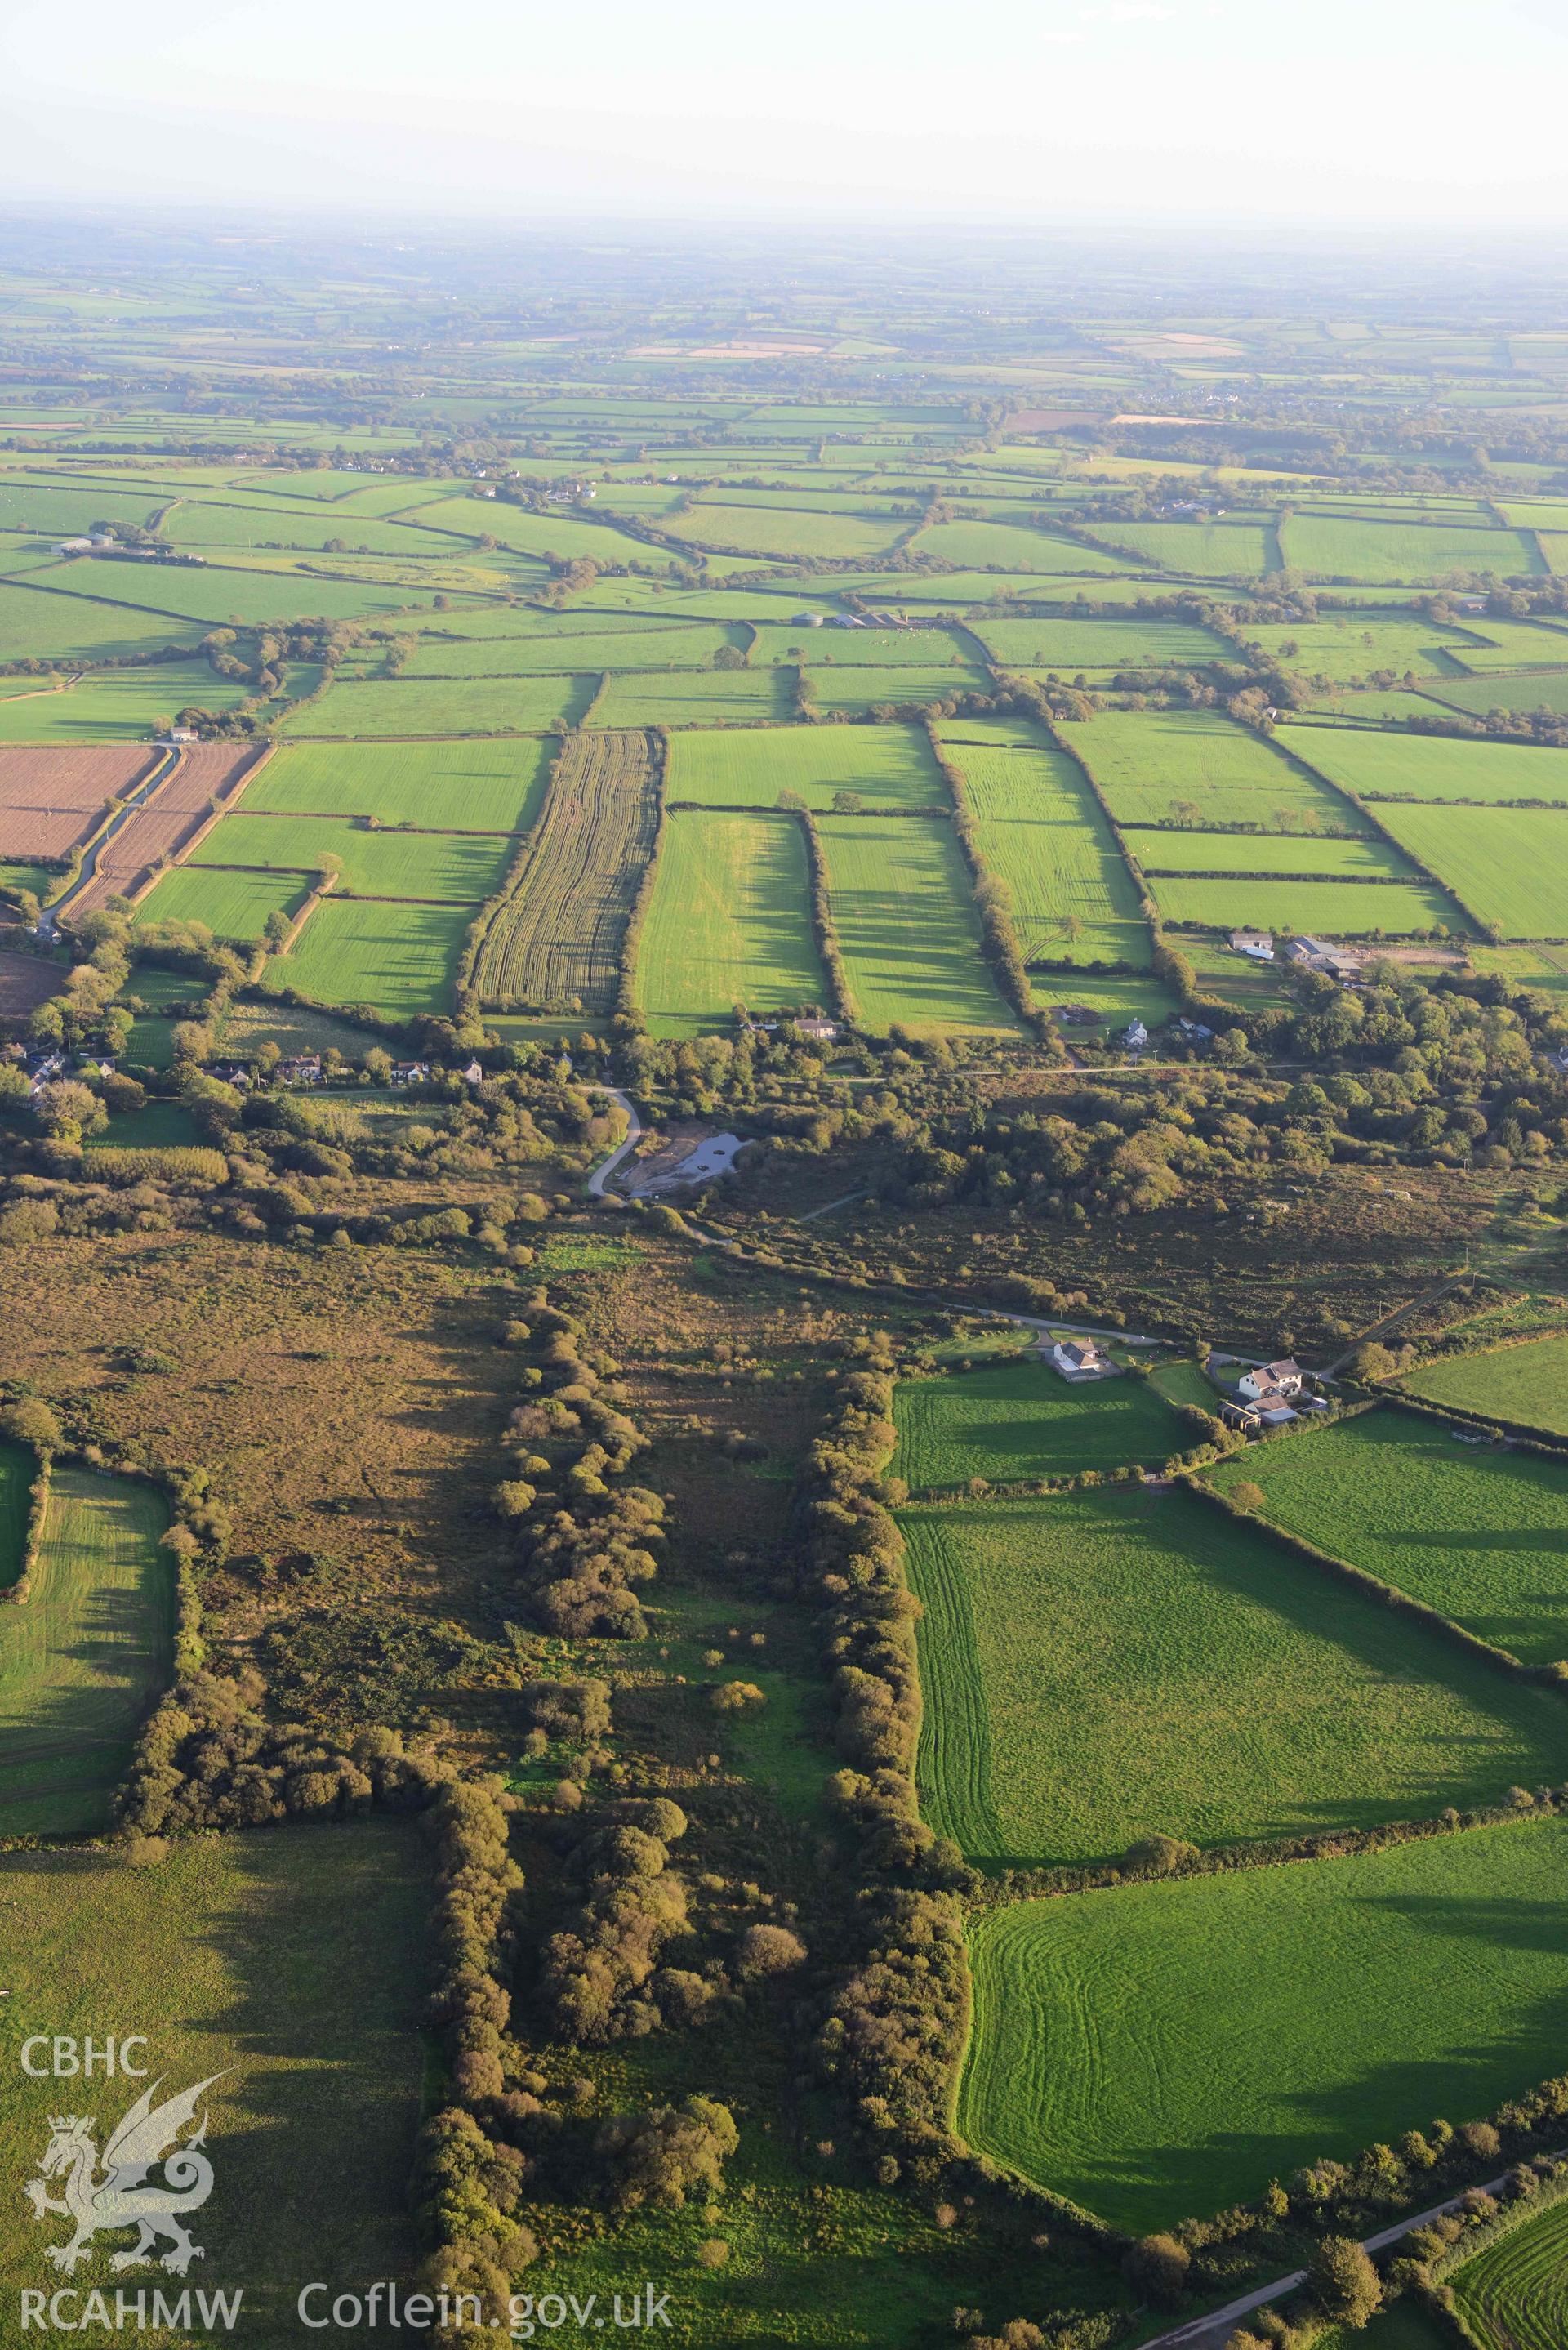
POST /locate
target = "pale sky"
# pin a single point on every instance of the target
(1387, 112)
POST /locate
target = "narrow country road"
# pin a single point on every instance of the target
(1211, 2331)
(623, 1150)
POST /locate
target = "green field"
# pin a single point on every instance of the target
(1354, 646)
(58, 628)
(1021, 1418)
(565, 533)
(1067, 645)
(83, 1660)
(400, 959)
(234, 905)
(474, 786)
(1041, 830)
(888, 767)
(730, 923)
(1202, 550)
(1332, 548)
(1010, 546)
(455, 866)
(765, 531)
(1531, 690)
(1335, 909)
(427, 706)
(115, 705)
(215, 595)
(1154, 764)
(1165, 2049)
(1514, 644)
(1480, 1536)
(569, 644)
(903, 905)
(739, 697)
(1505, 864)
(1426, 767)
(1166, 850)
(1527, 1384)
(860, 690)
(1101, 1667)
(1514, 2294)
(233, 1959)
(825, 648)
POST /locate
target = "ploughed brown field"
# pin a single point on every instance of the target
(171, 818)
(25, 982)
(52, 798)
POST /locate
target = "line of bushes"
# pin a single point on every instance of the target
(584, 1556)
(823, 929)
(1157, 1857)
(14, 1424)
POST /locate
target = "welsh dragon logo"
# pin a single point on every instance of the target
(146, 2139)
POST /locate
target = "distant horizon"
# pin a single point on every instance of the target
(1420, 115)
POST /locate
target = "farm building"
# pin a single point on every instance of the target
(1258, 944)
(1081, 1359)
(1285, 1378)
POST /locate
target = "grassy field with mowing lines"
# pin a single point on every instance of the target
(1166, 2049)
(413, 706)
(1508, 864)
(1426, 767)
(1132, 1664)
(888, 767)
(1150, 765)
(1337, 909)
(1528, 1384)
(1041, 830)
(903, 905)
(234, 905)
(472, 787)
(1332, 548)
(559, 936)
(1514, 2294)
(401, 959)
(1021, 1418)
(87, 1656)
(1480, 1536)
(232, 1958)
(460, 867)
(730, 923)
